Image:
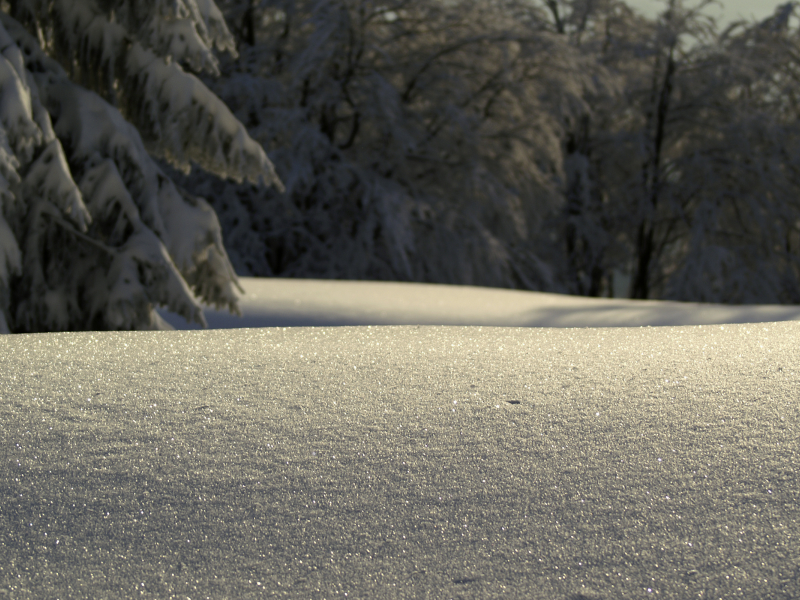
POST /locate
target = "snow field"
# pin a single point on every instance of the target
(471, 462)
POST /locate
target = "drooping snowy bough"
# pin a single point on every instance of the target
(93, 233)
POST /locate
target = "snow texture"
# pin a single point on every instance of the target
(387, 462)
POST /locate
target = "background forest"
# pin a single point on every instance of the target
(562, 145)
(558, 145)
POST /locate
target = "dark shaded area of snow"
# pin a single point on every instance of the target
(448, 462)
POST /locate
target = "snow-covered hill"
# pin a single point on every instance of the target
(307, 302)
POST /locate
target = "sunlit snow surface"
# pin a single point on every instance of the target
(305, 302)
(402, 462)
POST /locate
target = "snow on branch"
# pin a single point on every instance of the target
(180, 40)
(95, 132)
(103, 254)
(184, 121)
(132, 56)
(49, 178)
(183, 31)
(143, 254)
(203, 16)
(136, 246)
(16, 110)
(201, 258)
(187, 32)
(8, 172)
(91, 127)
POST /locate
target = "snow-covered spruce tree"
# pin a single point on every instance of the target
(93, 233)
(418, 140)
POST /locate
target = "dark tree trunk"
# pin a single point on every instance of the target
(645, 246)
(640, 284)
(585, 256)
(553, 6)
(249, 25)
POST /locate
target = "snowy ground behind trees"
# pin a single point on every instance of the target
(307, 302)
